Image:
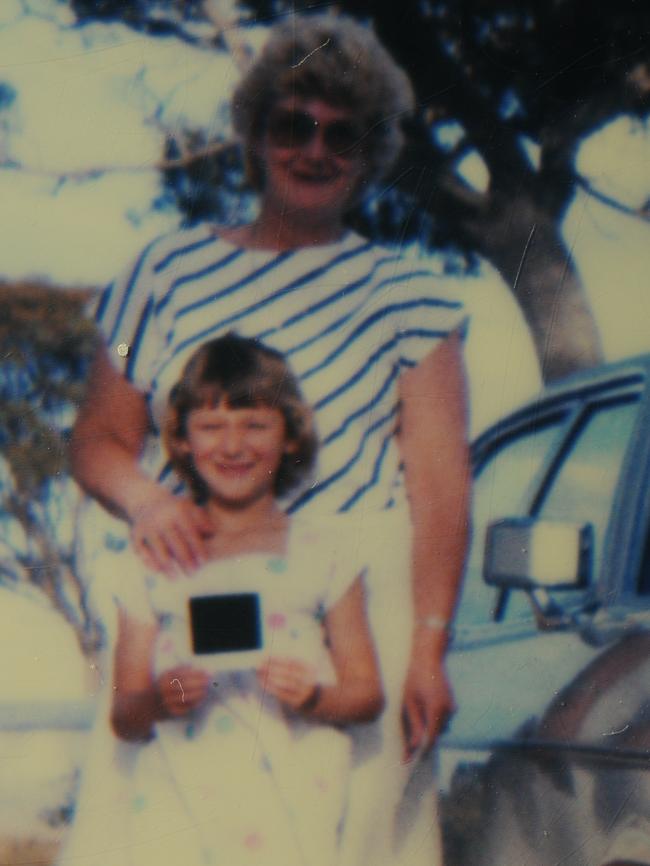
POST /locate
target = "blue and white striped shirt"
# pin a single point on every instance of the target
(348, 316)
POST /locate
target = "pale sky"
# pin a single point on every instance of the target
(613, 250)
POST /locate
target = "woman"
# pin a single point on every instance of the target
(375, 341)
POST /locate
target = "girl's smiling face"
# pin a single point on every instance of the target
(237, 451)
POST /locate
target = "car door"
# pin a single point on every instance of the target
(523, 761)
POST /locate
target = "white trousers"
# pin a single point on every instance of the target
(392, 816)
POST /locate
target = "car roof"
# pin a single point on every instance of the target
(633, 372)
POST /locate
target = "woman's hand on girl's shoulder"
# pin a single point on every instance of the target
(181, 690)
(169, 533)
(294, 683)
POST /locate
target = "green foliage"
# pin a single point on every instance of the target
(493, 74)
(155, 17)
(47, 343)
(211, 183)
(514, 87)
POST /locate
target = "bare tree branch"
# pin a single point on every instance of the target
(642, 213)
(92, 173)
(240, 51)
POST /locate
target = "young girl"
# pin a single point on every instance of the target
(236, 767)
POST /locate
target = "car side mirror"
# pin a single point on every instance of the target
(530, 554)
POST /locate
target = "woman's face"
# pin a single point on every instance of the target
(312, 158)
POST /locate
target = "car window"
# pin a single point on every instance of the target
(582, 487)
(503, 487)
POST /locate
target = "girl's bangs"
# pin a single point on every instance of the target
(247, 392)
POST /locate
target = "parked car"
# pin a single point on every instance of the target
(547, 760)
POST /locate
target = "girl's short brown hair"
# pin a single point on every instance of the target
(334, 59)
(243, 373)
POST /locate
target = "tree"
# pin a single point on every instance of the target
(518, 84)
(521, 83)
(47, 343)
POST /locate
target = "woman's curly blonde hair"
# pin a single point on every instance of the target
(339, 61)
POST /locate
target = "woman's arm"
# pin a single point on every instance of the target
(139, 701)
(357, 695)
(106, 444)
(107, 440)
(433, 443)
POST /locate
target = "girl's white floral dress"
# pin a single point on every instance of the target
(241, 781)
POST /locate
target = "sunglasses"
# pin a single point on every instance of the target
(289, 128)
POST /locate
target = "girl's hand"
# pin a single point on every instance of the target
(181, 690)
(292, 682)
(168, 533)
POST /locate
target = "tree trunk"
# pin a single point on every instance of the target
(515, 228)
(526, 246)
